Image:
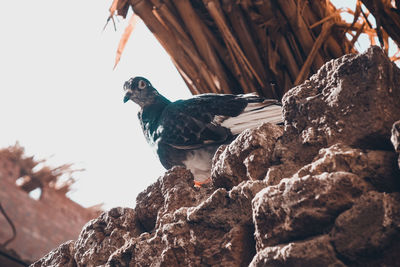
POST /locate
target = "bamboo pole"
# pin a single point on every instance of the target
(201, 67)
(285, 51)
(205, 84)
(287, 34)
(168, 16)
(261, 40)
(144, 10)
(170, 21)
(326, 29)
(195, 27)
(242, 31)
(229, 39)
(335, 50)
(216, 13)
(288, 84)
(300, 29)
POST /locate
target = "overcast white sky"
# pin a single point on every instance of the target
(60, 98)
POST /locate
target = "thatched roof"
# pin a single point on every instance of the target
(31, 177)
(263, 46)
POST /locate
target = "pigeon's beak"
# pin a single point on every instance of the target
(127, 96)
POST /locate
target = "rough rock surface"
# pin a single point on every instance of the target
(377, 167)
(378, 215)
(324, 191)
(248, 157)
(206, 234)
(297, 208)
(61, 256)
(395, 138)
(100, 236)
(352, 100)
(166, 195)
(317, 251)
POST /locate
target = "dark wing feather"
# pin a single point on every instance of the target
(188, 124)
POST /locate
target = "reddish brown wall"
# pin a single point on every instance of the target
(41, 224)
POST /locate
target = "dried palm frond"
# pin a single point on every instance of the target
(29, 178)
(264, 46)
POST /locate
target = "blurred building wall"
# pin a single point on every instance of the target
(42, 224)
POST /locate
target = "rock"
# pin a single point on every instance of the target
(102, 236)
(61, 256)
(209, 233)
(352, 100)
(248, 157)
(300, 207)
(395, 138)
(205, 212)
(377, 167)
(213, 233)
(368, 229)
(173, 190)
(314, 252)
(178, 189)
(219, 210)
(148, 203)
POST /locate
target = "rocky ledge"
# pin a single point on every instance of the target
(321, 191)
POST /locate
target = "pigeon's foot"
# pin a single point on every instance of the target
(202, 183)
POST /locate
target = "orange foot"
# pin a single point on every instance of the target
(201, 183)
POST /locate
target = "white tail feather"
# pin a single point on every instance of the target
(252, 116)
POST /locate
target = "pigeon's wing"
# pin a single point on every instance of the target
(240, 112)
(190, 124)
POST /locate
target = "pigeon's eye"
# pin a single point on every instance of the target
(141, 84)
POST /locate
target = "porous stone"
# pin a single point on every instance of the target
(102, 236)
(395, 138)
(317, 251)
(377, 167)
(170, 192)
(148, 203)
(227, 209)
(300, 207)
(61, 256)
(248, 157)
(217, 232)
(368, 229)
(352, 100)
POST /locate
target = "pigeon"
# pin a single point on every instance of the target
(189, 132)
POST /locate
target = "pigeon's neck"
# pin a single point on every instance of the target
(158, 102)
(152, 111)
(155, 100)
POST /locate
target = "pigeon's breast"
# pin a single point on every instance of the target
(199, 162)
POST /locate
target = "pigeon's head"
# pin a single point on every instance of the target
(140, 91)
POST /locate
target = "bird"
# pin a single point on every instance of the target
(188, 132)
